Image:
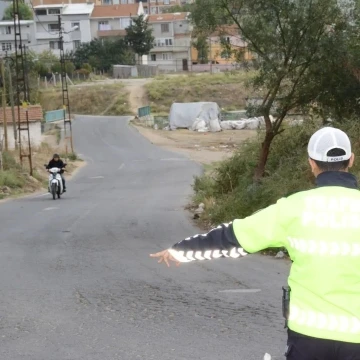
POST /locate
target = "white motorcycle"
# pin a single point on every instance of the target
(55, 186)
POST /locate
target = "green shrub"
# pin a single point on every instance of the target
(12, 179)
(9, 162)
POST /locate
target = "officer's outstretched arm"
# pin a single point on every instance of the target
(259, 231)
(219, 242)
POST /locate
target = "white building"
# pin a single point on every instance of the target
(7, 35)
(72, 16)
(172, 50)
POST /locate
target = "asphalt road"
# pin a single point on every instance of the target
(76, 281)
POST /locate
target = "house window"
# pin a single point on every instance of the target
(106, 2)
(54, 11)
(53, 27)
(6, 46)
(153, 57)
(125, 23)
(75, 24)
(104, 25)
(166, 2)
(123, 2)
(40, 12)
(76, 44)
(54, 45)
(168, 42)
(130, 1)
(165, 28)
(6, 30)
(167, 56)
(153, 10)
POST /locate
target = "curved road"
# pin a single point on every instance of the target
(76, 282)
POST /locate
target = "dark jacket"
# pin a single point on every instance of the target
(58, 164)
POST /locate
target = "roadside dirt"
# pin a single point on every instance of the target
(204, 148)
(137, 93)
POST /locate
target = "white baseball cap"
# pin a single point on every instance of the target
(327, 139)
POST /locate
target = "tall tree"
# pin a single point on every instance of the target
(139, 36)
(25, 13)
(103, 54)
(291, 41)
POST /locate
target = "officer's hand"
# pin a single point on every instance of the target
(166, 257)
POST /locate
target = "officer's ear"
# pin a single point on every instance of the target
(351, 160)
(314, 168)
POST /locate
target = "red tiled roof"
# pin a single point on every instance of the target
(167, 17)
(111, 11)
(35, 113)
(59, 2)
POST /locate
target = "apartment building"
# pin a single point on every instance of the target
(109, 21)
(75, 20)
(7, 35)
(172, 50)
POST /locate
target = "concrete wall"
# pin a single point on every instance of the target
(128, 71)
(35, 134)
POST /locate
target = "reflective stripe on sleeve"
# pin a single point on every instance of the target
(188, 256)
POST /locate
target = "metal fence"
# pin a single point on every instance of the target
(233, 115)
(144, 111)
(55, 115)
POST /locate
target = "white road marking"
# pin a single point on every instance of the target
(97, 177)
(240, 291)
(50, 208)
(174, 159)
(121, 166)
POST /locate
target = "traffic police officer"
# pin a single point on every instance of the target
(320, 228)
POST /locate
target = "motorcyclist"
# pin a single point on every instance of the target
(58, 163)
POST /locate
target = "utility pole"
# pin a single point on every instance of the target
(65, 92)
(210, 55)
(22, 95)
(4, 104)
(11, 95)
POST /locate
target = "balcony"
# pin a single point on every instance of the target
(171, 48)
(7, 37)
(45, 19)
(110, 33)
(46, 35)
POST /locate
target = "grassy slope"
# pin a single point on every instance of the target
(89, 100)
(229, 90)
